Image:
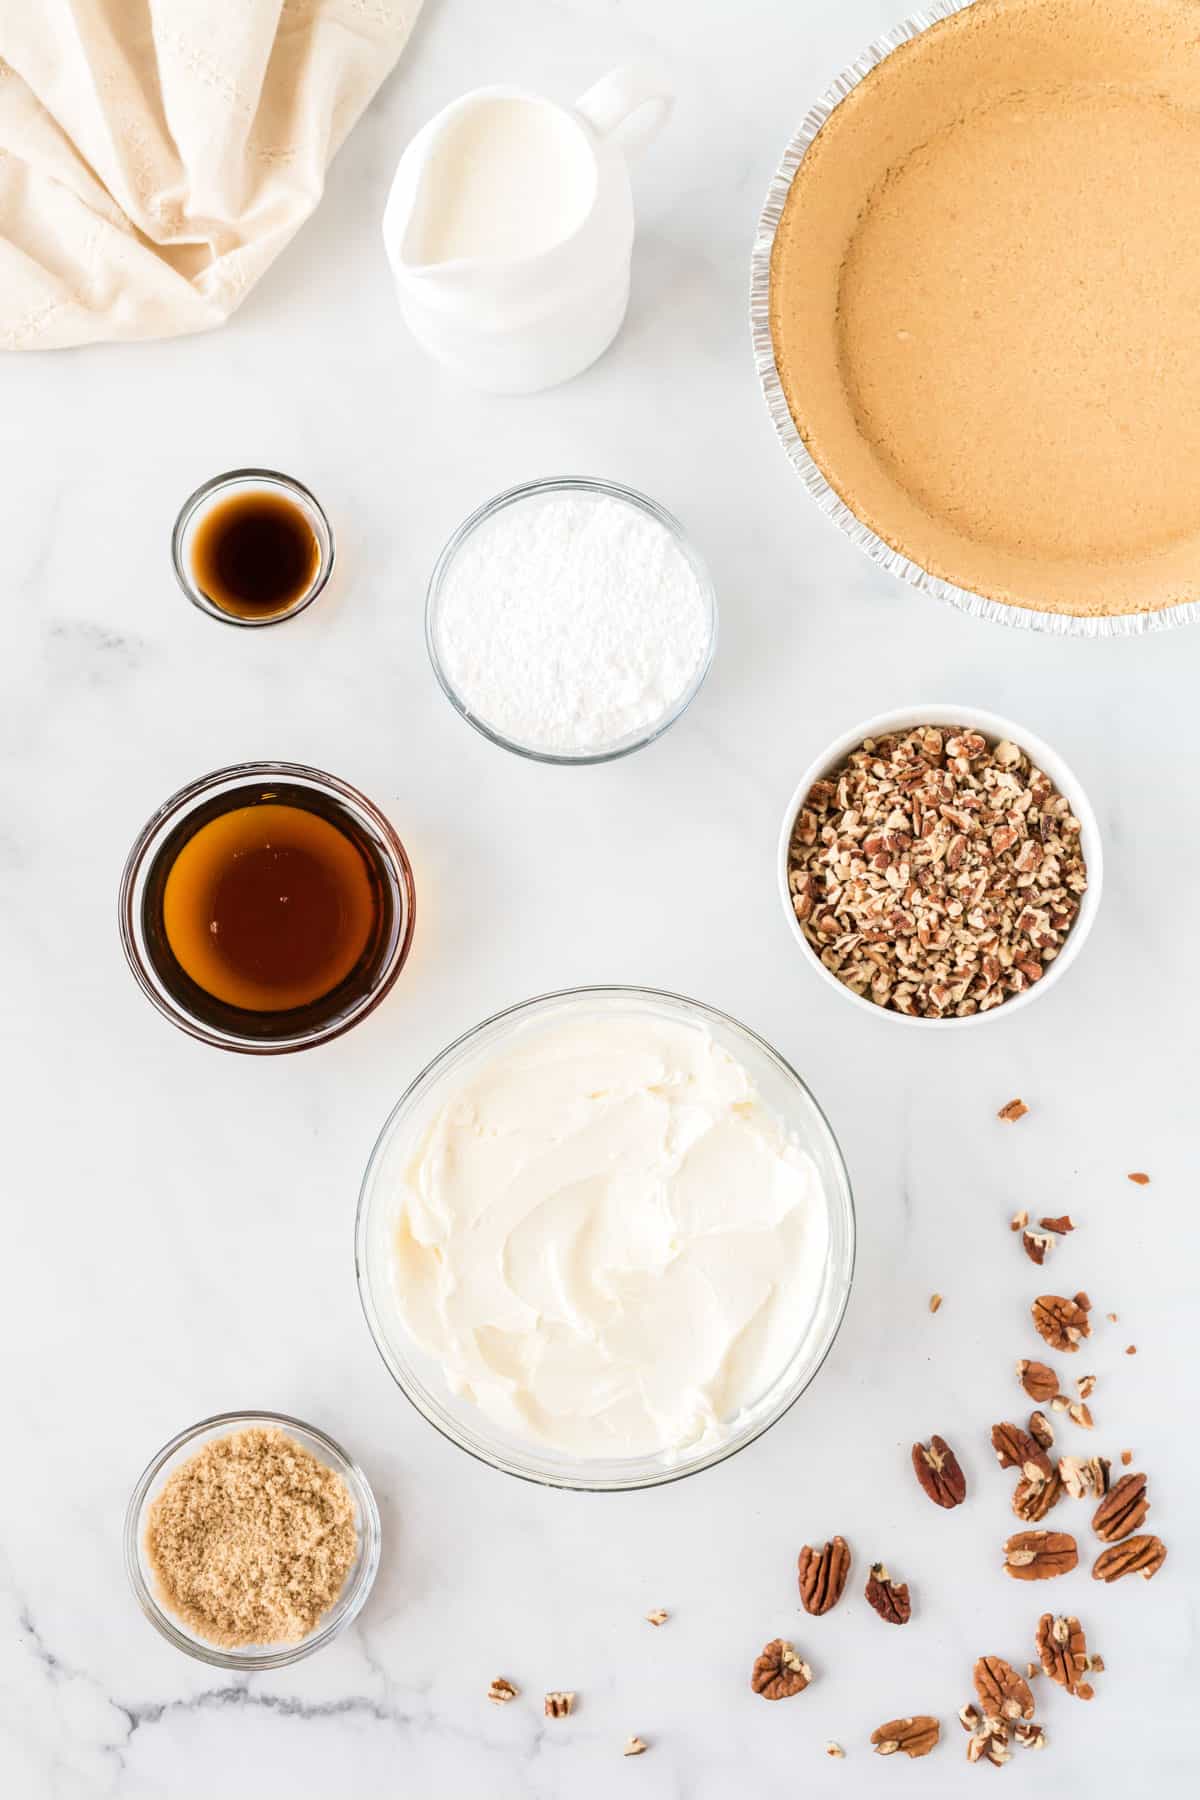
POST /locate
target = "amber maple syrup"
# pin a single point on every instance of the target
(269, 910)
(255, 554)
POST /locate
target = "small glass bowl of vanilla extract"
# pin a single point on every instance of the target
(267, 907)
(252, 547)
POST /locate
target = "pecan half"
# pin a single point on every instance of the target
(915, 1736)
(778, 1672)
(937, 1470)
(1061, 1225)
(1122, 1510)
(1032, 1500)
(1037, 1245)
(1041, 1430)
(1015, 1449)
(1143, 1556)
(1082, 1475)
(1038, 1555)
(1063, 1650)
(1002, 1692)
(1063, 1323)
(1038, 1379)
(889, 1598)
(823, 1575)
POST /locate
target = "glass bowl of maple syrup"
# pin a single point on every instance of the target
(267, 907)
(252, 547)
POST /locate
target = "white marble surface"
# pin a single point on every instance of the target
(179, 1222)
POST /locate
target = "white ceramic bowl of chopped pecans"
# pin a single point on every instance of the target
(940, 865)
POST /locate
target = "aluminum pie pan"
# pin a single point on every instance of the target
(980, 606)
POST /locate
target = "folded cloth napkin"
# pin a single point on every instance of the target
(157, 155)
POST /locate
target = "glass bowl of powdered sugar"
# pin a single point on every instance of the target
(570, 620)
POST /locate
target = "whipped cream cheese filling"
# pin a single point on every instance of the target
(607, 1240)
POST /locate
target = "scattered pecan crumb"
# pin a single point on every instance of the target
(822, 1575)
(1112, 1318)
(1126, 1457)
(1012, 1111)
(502, 1691)
(1131, 1349)
(1136, 1556)
(658, 1616)
(778, 1672)
(1061, 1225)
(889, 1598)
(1002, 1692)
(1122, 1510)
(1037, 1245)
(1063, 1650)
(1039, 1555)
(559, 1704)
(834, 1750)
(935, 1300)
(1032, 1670)
(1096, 1665)
(1141, 1179)
(634, 1746)
(1019, 1221)
(915, 1736)
(1063, 1323)
(938, 1472)
(1038, 1379)
(1041, 1430)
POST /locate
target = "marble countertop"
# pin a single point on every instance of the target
(180, 1222)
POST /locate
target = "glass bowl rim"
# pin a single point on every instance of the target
(176, 806)
(206, 492)
(250, 1661)
(589, 484)
(573, 1481)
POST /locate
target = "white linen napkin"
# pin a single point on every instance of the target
(157, 155)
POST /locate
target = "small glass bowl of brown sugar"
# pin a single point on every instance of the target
(251, 1526)
(252, 547)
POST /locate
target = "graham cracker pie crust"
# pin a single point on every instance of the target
(985, 302)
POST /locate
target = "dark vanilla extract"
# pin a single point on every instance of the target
(255, 554)
(269, 911)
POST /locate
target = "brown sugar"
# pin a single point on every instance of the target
(251, 1539)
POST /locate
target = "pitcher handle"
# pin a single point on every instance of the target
(628, 105)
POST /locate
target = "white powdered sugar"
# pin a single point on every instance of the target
(569, 621)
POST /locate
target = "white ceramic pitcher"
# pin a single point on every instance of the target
(507, 322)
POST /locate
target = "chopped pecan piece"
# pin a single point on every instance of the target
(1086, 1385)
(1038, 1379)
(1002, 1692)
(935, 1300)
(834, 1750)
(1141, 1179)
(502, 1691)
(1126, 1457)
(915, 1736)
(1082, 1476)
(1041, 1430)
(657, 1617)
(1015, 1449)
(1037, 1245)
(1038, 1555)
(1122, 1510)
(1012, 1111)
(1032, 1500)
(1019, 1221)
(1063, 1323)
(1136, 1556)
(1062, 1224)
(889, 1598)
(1131, 1349)
(1063, 1650)
(937, 1470)
(823, 1575)
(778, 1672)
(988, 1741)
(635, 1746)
(1081, 1412)
(1029, 1735)
(559, 1704)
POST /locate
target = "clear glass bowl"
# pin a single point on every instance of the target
(249, 481)
(533, 490)
(421, 1378)
(355, 1588)
(329, 1016)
